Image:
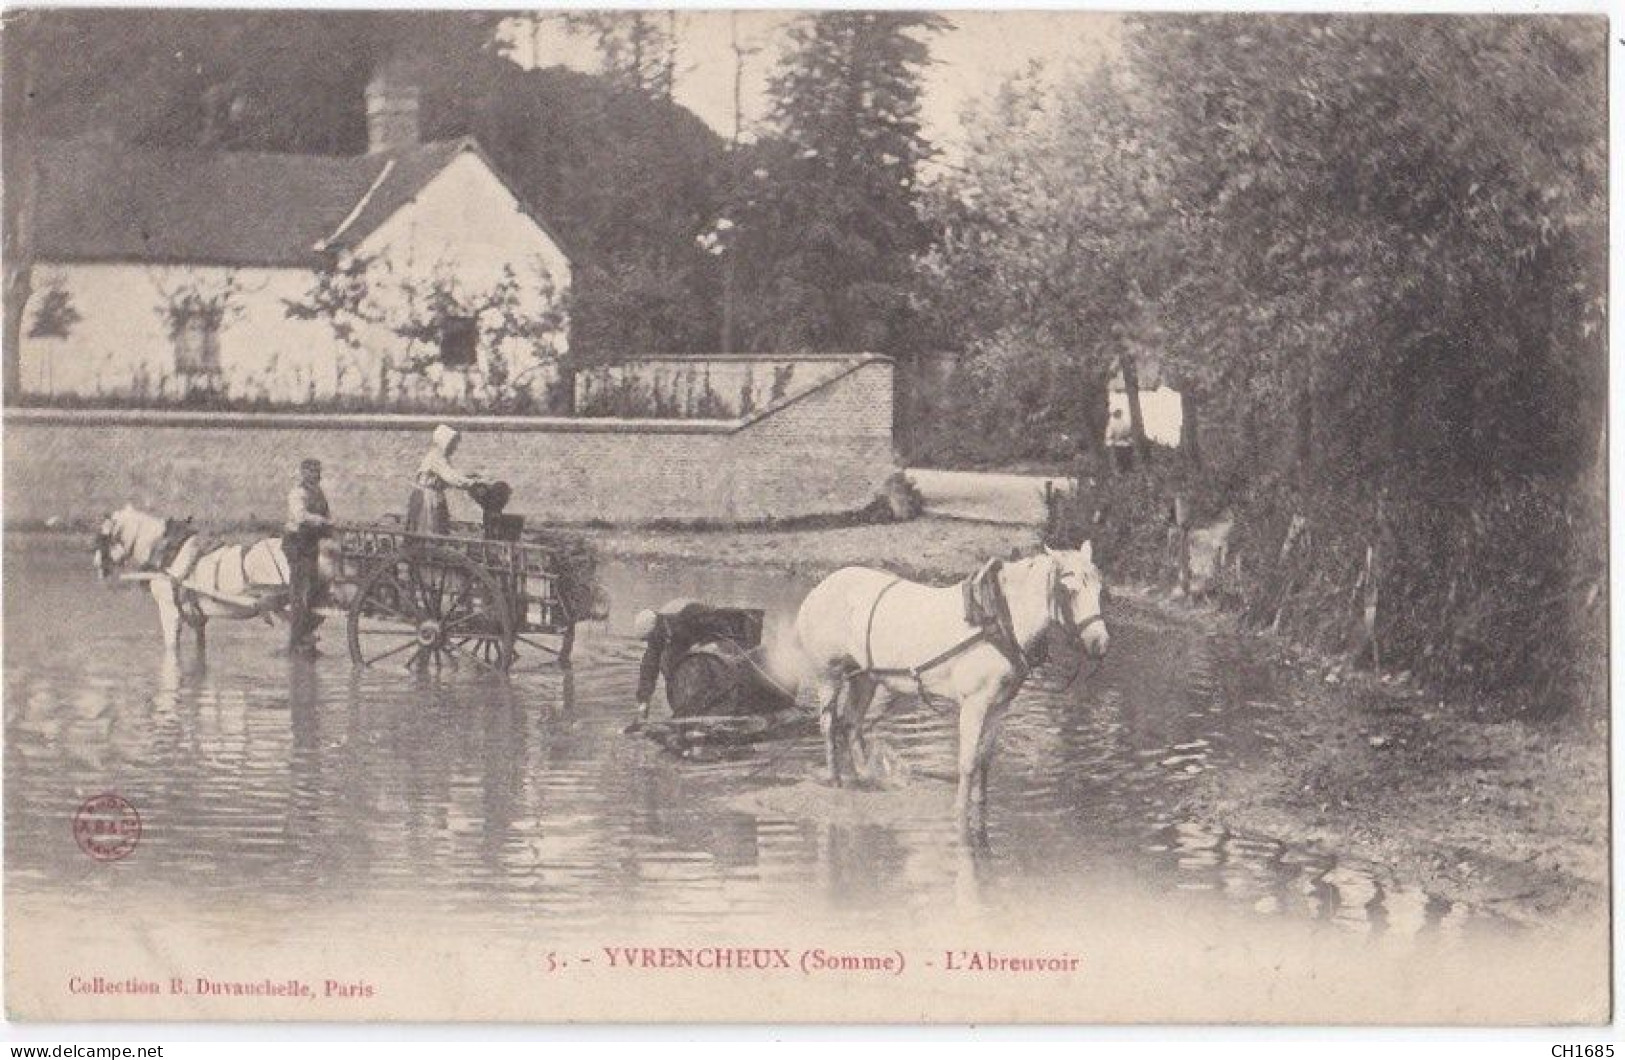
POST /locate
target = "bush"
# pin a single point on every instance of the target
(902, 497)
(1502, 591)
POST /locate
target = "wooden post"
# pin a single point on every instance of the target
(1373, 561)
(1182, 527)
(1370, 611)
(728, 323)
(1136, 419)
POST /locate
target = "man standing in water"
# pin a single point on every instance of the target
(308, 522)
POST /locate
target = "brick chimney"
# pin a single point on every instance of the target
(392, 110)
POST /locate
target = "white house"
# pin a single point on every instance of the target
(1162, 411)
(411, 270)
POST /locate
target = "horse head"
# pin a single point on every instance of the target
(130, 535)
(110, 548)
(101, 549)
(1075, 597)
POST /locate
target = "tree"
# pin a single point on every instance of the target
(1374, 249)
(1040, 274)
(1394, 251)
(830, 223)
(638, 48)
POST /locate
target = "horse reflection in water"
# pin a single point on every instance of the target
(864, 630)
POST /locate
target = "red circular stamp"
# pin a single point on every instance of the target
(107, 827)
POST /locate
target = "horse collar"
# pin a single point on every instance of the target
(175, 536)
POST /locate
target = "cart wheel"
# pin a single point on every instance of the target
(536, 650)
(424, 608)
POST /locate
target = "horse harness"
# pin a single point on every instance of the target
(985, 608)
(177, 532)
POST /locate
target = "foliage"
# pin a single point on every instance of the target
(518, 325)
(1499, 593)
(828, 201)
(1392, 256)
(244, 80)
(54, 313)
(1037, 277)
(1379, 277)
(575, 562)
(207, 303)
(163, 391)
(630, 396)
(638, 48)
(903, 498)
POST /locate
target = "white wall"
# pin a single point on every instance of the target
(123, 336)
(466, 220)
(463, 225)
(464, 229)
(1161, 410)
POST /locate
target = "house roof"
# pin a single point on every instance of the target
(99, 201)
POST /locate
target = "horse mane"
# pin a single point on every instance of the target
(141, 531)
(1027, 625)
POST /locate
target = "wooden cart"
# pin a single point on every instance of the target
(427, 600)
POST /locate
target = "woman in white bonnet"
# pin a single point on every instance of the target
(427, 511)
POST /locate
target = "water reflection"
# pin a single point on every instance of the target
(515, 799)
(1273, 878)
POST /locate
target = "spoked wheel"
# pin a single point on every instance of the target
(538, 650)
(427, 608)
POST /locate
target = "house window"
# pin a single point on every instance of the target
(459, 339)
(197, 346)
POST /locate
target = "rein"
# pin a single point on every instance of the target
(1017, 657)
(916, 672)
(1019, 662)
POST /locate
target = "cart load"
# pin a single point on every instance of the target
(721, 691)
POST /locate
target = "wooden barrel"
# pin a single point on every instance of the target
(720, 678)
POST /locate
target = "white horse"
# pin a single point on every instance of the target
(866, 629)
(191, 586)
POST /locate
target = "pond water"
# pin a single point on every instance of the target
(495, 800)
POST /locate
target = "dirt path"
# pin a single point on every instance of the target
(1509, 816)
(986, 496)
(929, 548)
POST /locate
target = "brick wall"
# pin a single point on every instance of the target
(827, 449)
